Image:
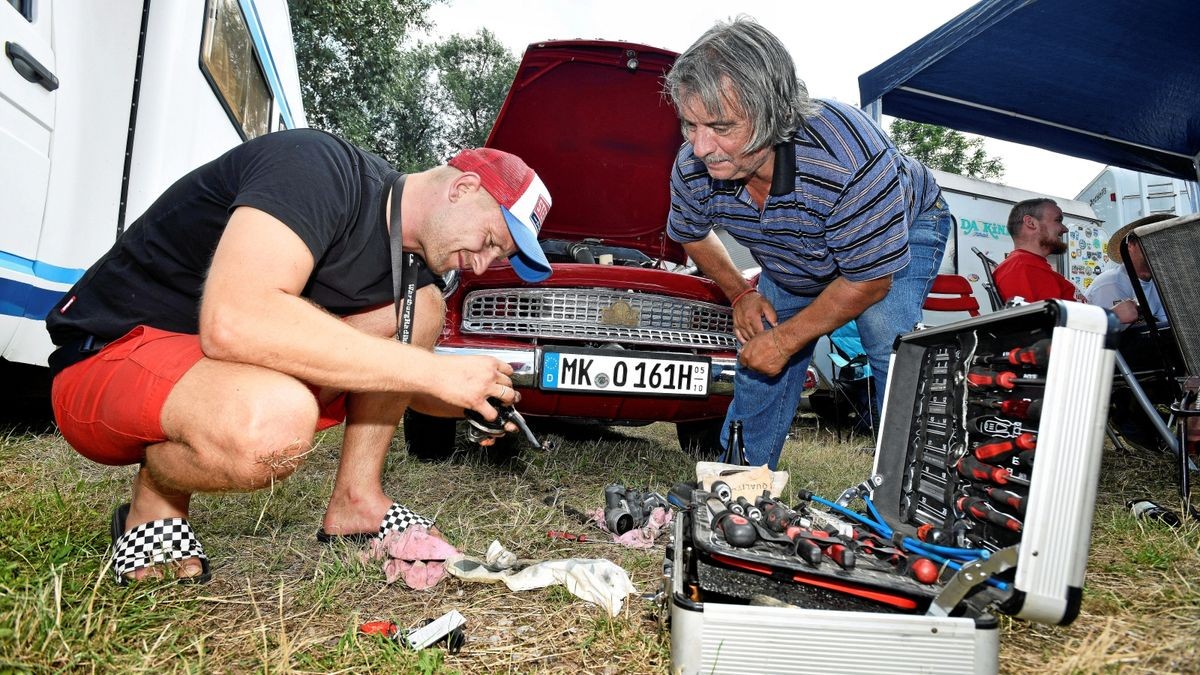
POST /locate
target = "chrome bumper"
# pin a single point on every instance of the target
(525, 362)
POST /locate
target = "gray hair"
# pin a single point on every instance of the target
(1029, 207)
(760, 74)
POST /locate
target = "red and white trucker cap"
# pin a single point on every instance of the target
(523, 200)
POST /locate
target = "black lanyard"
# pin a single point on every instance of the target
(404, 270)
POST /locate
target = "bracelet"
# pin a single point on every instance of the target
(741, 295)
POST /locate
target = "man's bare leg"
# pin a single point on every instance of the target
(358, 502)
(233, 427)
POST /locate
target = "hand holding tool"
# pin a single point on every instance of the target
(479, 429)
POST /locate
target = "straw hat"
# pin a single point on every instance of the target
(1114, 243)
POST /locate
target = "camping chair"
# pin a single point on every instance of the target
(852, 382)
(989, 268)
(1169, 247)
(951, 293)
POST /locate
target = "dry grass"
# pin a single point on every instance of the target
(280, 602)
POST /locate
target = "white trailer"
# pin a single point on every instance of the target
(1120, 196)
(981, 211)
(105, 104)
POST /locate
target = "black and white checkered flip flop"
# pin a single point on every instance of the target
(154, 543)
(397, 519)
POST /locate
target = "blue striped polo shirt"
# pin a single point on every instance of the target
(841, 208)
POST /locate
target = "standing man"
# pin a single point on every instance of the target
(1036, 227)
(843, 225)
(253, 303)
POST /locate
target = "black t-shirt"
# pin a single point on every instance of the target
(329, 192)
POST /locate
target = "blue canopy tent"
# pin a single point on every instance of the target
(1114, 81)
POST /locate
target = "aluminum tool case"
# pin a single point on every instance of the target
(724, 601)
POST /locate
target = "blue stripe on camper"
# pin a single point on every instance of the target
(254, 24)
(26, 301)
(39, 269)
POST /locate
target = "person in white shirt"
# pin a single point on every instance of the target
(1113, 288)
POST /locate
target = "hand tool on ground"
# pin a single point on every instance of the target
(480, 429)
(999, 451)
(569, 536)
(969, 467)
(983, 511)
(626, 509)
(737, 530)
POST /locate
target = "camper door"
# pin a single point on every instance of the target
(27, 99)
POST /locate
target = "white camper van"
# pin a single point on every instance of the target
(1120, 196)
(102, 106)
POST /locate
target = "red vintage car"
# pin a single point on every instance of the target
(622, 332)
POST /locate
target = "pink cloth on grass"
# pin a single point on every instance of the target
(414, 554)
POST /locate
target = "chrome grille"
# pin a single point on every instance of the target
(599, 314)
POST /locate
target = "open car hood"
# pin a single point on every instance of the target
(590, 117)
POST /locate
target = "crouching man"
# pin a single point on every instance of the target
(253, 304)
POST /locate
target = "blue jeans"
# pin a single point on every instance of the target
(767, 405)
(900, 311)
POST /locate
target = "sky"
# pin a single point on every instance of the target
(832, 42)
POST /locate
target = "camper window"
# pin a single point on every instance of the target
(231, 65)
(25, 7)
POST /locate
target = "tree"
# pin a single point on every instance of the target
(945, 149)
(364, 77)
(474, 74)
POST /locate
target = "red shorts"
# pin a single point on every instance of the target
(109, 406)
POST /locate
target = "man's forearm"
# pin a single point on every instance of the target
(840, 302)
(713, 260)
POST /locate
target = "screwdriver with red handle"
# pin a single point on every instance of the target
(1007, 498)
(981, 378)
(831, 546)
(983, 511)
(1019, 408)
(1036, 354)
(737, 529)
(998, 451)
(969, 467)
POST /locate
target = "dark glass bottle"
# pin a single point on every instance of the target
(736, 451)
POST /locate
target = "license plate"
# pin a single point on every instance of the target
(606, 372)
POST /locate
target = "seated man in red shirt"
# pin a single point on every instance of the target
(1036, 226)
